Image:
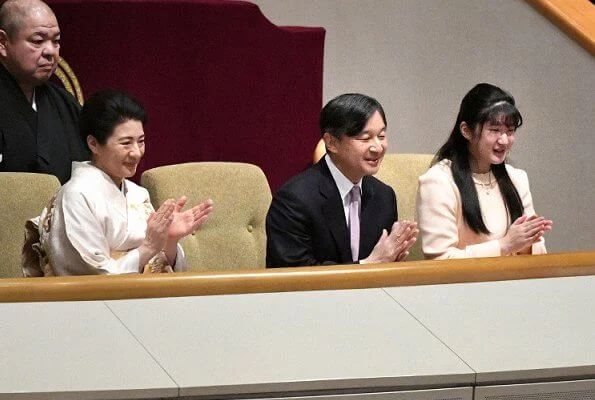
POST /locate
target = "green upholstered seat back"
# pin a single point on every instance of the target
(234, 235)
(22, 196)
(401, 172)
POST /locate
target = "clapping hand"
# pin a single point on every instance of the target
(158, 225)
(156, 238)
(186, 222)
(394, 246)
(523, 232)
(407, 239)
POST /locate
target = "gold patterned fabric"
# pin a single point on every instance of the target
(71, 83)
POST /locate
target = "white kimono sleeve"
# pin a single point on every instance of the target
(86, 232)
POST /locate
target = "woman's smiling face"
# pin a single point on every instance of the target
(489, 144)
(122, 151)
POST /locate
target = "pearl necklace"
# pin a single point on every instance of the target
(479, 180)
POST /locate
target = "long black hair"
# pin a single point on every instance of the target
(484, 103)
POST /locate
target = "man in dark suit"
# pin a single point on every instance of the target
(336, 212)
(38, 121)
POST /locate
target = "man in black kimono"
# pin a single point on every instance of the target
(38, 120)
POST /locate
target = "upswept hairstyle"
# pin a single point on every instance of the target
(104, 110)
(483, 104)
(348, 114)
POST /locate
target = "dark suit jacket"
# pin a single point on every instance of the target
(46, 141)
(306, 223)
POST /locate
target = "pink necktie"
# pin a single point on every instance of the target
(354, 207)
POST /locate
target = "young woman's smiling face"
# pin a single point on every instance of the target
(489, 144)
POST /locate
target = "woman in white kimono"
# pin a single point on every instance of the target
(470, 203)
(102, 223)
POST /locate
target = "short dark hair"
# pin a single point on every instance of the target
(348, 114)
(105, 110)
(484, 103)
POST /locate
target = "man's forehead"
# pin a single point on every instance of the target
(374, 123)
(39, 21)
(27, 14)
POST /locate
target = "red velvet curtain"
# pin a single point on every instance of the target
(220, 82)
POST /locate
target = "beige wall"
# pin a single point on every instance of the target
(419, 58)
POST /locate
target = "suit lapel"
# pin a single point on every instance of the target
(332, 210)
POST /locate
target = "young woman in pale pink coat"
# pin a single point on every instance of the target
(471, 203)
